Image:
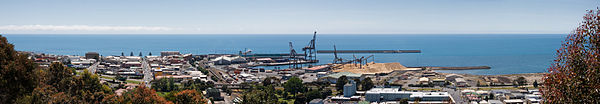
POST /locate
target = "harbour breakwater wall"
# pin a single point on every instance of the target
(368, 51)
(456, 68)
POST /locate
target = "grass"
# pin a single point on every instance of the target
(162, 94)
(132, 81)
(500, 88)
(128, 81)
(425, 89)
(289, 101)
(105, 77)
(78, 73)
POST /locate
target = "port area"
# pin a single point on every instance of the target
(456, 68)
(233, 71)
(369, 51)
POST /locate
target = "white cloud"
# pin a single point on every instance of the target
(81, 28)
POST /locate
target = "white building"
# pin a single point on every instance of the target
(169, 53)
(226, 60)
(394, 94)
(460, 82)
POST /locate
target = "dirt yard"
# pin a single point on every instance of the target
(370, 68)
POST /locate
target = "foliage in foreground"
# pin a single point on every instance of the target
(23, 82)
(574, 77)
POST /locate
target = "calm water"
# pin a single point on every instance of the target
(506, 54)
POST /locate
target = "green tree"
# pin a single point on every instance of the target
(403, 101)
(314, 94)
(131, 54)
(226, 89)
(341, 81)
(142, 95)
(574, 77)
(17, 73)
(197, 85)
(150, 54)
(270, 80)
(260, 95)
(294, 85)
(300, 99)
(164, 85)
(56, 73)
(189, 97)
(120, 77)
(140, 54)
(535, 84)
(521, 81)
(367, 84)
(57, 85)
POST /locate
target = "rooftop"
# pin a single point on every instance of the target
(347, 74)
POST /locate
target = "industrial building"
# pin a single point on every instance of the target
(395, 94)
(92, 55)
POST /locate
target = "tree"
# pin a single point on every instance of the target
(17, 73)
(326, 92)
(535, 84)
(58, 85)
(164, 85)
(366, 84)
(314, 94)
(521, 81)
(260, 95)
(140, 54)
(197, 85)
(122, 54)
(341, 81)
(285, 95)
(120, 77)
(56, 73)
(574, 77)
(387, 84)
(189, 97)
(403, 101)
(225, 89)
(131, 54)
(142, 95)
(294, 85)
(270, 80)
(150, 54)
(300, 99)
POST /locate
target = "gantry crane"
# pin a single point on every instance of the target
(310, 53)
(293, 60)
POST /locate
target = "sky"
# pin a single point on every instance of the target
(292, 17)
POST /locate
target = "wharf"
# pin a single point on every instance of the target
(285, 63)
(458, 68)
(271, 55)
(368, 51)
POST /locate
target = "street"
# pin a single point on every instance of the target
(147, 73)
(92, 68)
(455, 94)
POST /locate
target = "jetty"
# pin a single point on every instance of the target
(368, 51)
(457, 68)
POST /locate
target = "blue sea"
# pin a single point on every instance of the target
(505, 53)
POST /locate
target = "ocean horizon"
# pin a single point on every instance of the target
(504, 53)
